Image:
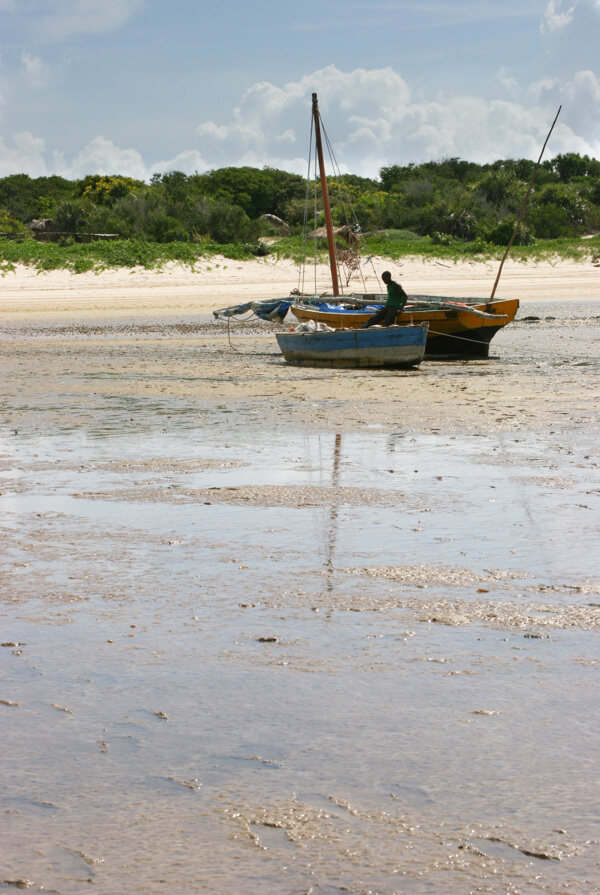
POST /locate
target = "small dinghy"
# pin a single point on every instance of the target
(378, 346)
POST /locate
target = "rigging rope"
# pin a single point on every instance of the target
(353, 222)
(302, 269)
(350, 216)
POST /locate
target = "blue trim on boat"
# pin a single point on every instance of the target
(393, 346)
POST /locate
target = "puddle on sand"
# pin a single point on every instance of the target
(350, 663)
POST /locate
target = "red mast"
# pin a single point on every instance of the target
(325, 193)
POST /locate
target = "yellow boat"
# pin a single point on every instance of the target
(457, 327)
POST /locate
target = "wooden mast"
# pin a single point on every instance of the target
(523, 207)
(325, 193)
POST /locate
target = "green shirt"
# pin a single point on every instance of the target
(396, 296)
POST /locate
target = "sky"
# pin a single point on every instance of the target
(138, 87)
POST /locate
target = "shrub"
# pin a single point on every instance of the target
(500, 234)
(71, 217)
(106, 190)
(442, 239)
(9, 224)
(166, 228)
(550, 221)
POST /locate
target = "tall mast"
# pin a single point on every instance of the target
(325, 194)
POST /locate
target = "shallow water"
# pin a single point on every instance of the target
(247, 655)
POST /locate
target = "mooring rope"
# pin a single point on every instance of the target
(240, 320)
(507, 347)
(249, 319)
(253, 316)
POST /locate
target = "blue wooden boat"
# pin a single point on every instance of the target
(386, 346)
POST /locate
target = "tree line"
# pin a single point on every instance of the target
(448, 200)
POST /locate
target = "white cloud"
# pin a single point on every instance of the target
(584, 90)
(543, 90)
(579, 96)
(508, 81)
(26, 155)
(554, 19)
(570, 32)
(582, 98)
(101, 156)
(288, 136)
(188, 161)
(372, 120)
(356, 107)
(210, 129)
(34, 70)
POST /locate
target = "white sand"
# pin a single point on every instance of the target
(177, 290)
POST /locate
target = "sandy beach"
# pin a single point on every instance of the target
(220, 282)
(276, 629)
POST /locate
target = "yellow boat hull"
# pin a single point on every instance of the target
(463, 330)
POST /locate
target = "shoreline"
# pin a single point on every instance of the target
(178, 290)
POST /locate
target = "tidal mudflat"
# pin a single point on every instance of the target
(268, 629)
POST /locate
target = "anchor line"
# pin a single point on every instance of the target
(507, 347)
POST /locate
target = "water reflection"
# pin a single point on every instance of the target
(332, 526)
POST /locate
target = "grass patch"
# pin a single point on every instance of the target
(103, 254)
(394, 244)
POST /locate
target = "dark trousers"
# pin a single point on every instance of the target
(387, 314)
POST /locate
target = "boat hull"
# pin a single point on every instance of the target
(392, 347)
(463, 330)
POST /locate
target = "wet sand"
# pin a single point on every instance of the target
(269, 629)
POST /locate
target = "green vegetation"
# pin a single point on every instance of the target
(447, 209)
(99, 255)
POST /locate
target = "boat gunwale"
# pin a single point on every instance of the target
(503, 312)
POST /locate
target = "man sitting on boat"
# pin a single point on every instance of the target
(396, 299)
